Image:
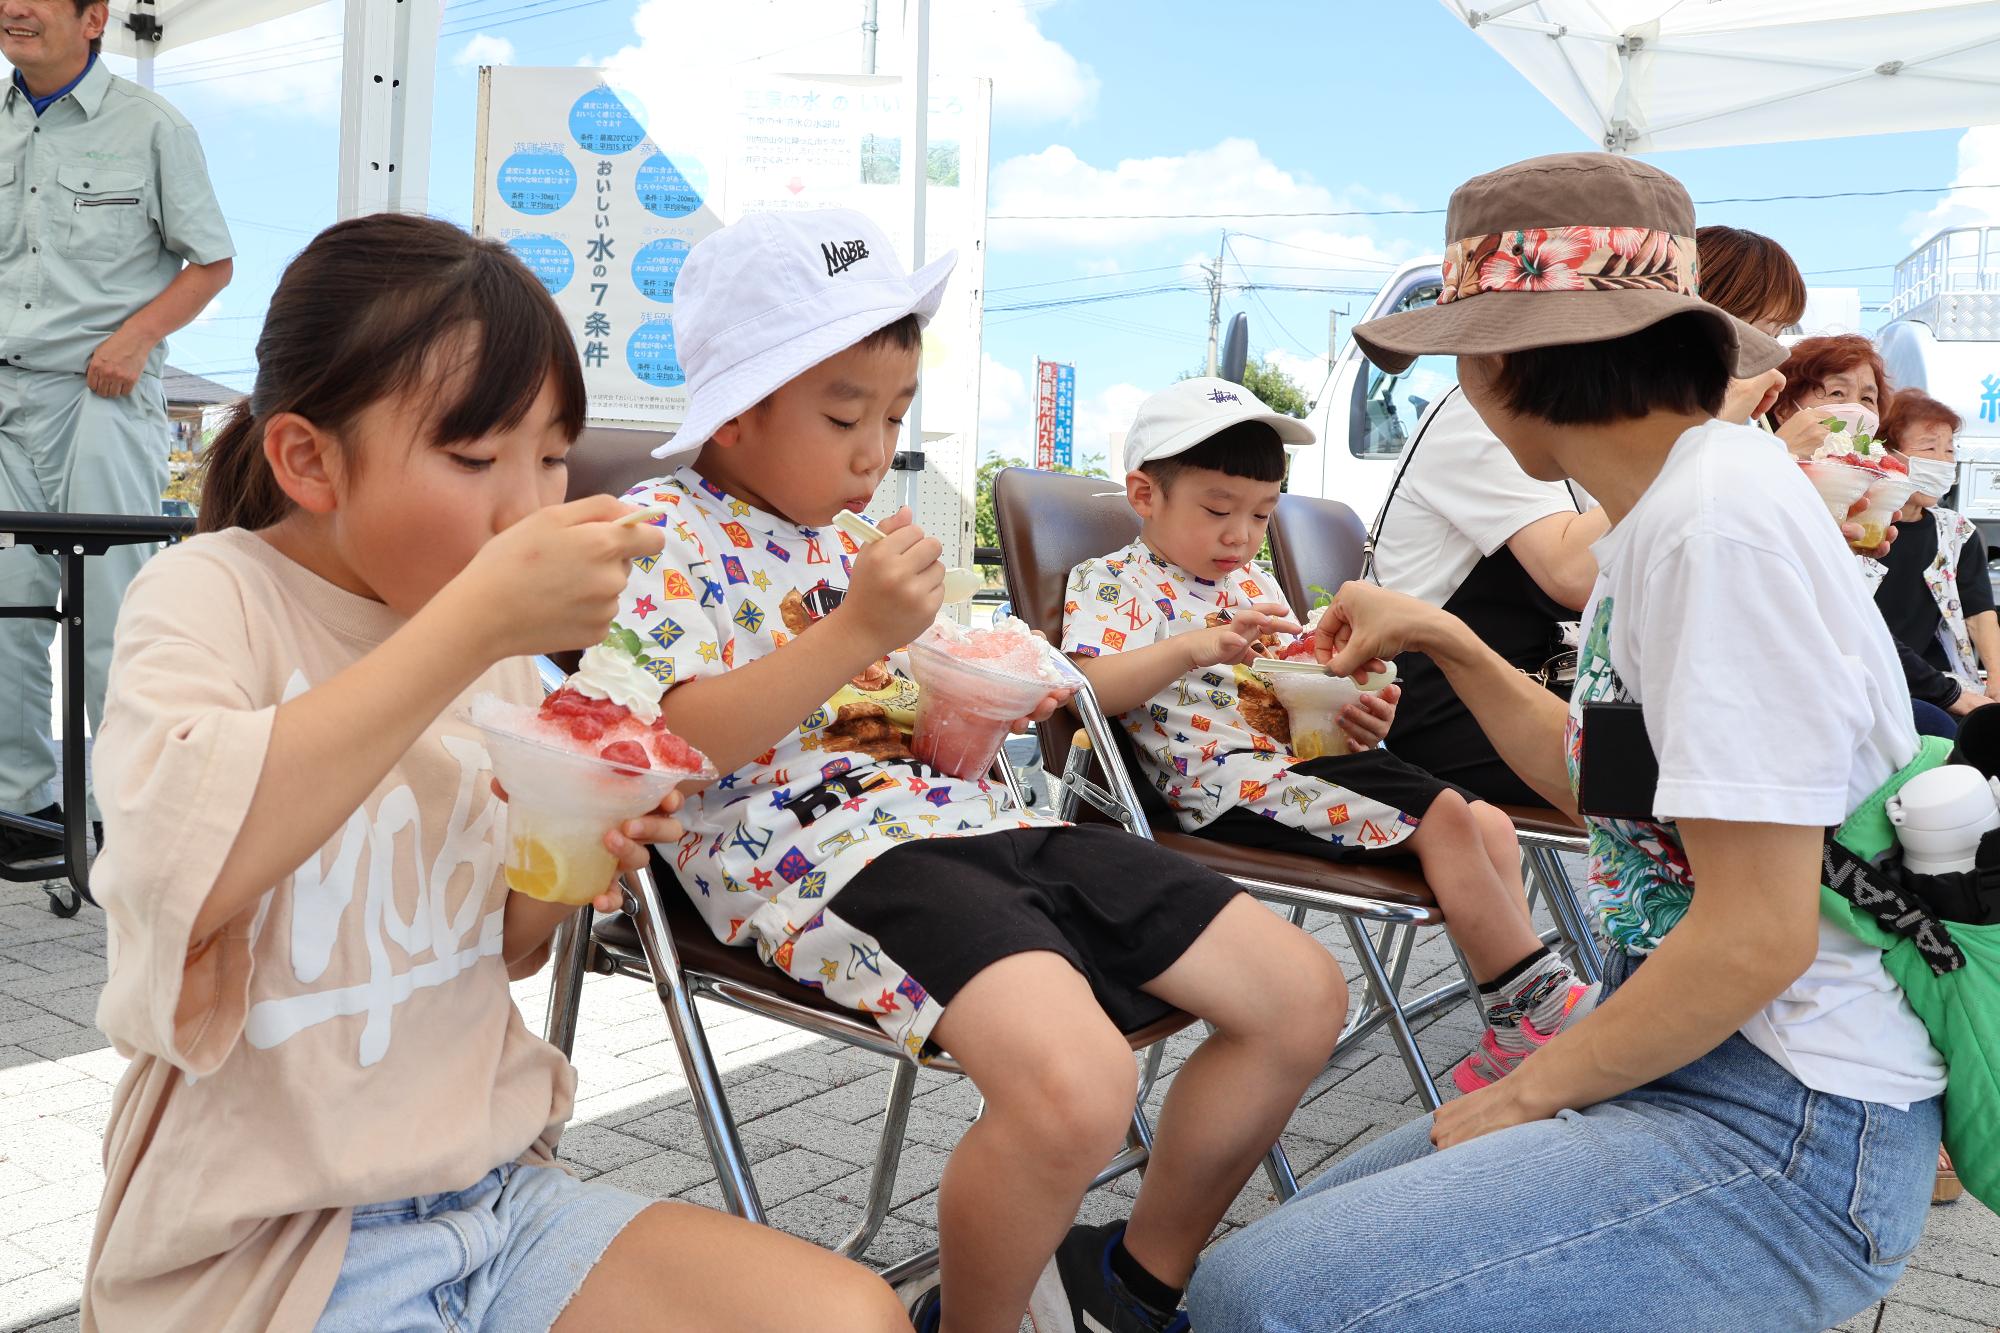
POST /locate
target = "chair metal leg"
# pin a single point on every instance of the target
(1392, 1013)
(711, 1104)
(1278, 1170)
(1572, 922)
(888, 1156)
(571, 948)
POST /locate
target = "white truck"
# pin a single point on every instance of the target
(1943, 336)
(1364, 416)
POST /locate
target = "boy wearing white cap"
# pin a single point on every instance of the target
(957, 919)
(1165, 628)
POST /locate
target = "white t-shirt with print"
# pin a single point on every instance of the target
(1728, 606)
(769, 846)
(1199, 738)
(1460, 498)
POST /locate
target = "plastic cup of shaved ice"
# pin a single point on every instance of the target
(1313, 702)
(972, 687)
(1887, 493)
(562, 798)
(1839, 484)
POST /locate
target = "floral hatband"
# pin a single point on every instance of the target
(1570, 259)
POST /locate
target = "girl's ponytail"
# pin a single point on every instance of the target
(237, 487)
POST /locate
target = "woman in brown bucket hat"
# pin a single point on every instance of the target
(1743, 1134)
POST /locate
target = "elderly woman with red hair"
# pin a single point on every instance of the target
(1846, 368)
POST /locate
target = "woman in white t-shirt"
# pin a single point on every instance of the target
(1743, 1134)
(1466, 529)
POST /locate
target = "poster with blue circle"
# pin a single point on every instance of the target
(537, 183)
(547, 258)
(656, 268)
(607, 122)
(671, 187)
(650, 354)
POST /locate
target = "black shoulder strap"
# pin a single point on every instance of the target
(1402, 470)
(1895, 910)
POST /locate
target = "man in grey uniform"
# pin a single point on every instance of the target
(110, 239)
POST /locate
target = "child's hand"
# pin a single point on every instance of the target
(897, 586)
(632, 843)
(1367, 720)
(1236, 640)
(553, 580)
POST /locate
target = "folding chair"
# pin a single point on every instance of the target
(664, 941)
(1049, 523)
(1320, 544)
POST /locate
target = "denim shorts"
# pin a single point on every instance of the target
(1724, 1196)
(504, 1256)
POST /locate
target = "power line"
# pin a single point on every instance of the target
(1428, 212)
(1087, 277)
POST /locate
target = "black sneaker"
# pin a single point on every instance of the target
(17, 845)
(927, 1310)
(1078, 1292)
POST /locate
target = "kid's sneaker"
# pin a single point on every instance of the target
(927, 1309)
(1078, 1293)
(1503, 1048)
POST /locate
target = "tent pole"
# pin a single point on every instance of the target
(916, 167)
(388, 77)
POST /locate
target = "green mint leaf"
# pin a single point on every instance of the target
(625, 641)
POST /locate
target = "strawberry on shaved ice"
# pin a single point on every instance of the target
(595, 754)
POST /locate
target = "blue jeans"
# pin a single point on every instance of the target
(504, 1256)
(1725, 1196)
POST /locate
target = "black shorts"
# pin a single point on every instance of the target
(1376, 774)
(1121, 909)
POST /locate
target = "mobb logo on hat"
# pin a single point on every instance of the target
(1182, 415)
(767, 298)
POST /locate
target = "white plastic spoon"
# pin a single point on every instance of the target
(959, 584)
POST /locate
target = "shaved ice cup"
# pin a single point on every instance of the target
(1313, 702)
(964, 710)
(1839, 484)
(1889, 492)
(561, 802)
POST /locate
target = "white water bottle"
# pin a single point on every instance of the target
(1941, 815)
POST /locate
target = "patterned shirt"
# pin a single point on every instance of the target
(1212, 739)
(769, 846)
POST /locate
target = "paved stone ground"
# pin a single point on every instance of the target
(809, 1110)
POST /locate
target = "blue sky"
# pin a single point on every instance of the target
(1101, 106)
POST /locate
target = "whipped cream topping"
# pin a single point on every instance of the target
(609, 672)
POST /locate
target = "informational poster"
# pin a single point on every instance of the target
(1055, 414)
(603, 185)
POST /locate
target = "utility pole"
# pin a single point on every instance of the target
(869, 27)
(1215, 300)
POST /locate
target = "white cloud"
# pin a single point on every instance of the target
(1102, 418)
(1978, 164)
(1003, 393)
(1308, 372)
(289, 65)
(485, 49)
(1234, 174)
(1034, 77)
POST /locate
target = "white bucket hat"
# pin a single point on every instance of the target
(767, 298)
(1182, 415)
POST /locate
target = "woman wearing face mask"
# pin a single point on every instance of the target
(1935, 591)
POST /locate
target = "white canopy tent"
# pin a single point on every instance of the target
(389, 72)
(1644, 75)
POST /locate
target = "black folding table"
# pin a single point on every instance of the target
(71, 539)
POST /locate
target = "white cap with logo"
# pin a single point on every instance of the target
(1182, 415)
(767, 298)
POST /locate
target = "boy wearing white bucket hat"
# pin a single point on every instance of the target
(1166, 627)
(956, 919)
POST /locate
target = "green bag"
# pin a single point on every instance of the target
(1949, 971)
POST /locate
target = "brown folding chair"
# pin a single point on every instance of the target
(661, 939)
(1320, 544)
(1049, 523)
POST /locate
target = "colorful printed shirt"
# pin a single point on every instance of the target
(1211, 740)
(769, 846)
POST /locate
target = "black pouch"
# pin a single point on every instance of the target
(1617, 773)
(1971, 897)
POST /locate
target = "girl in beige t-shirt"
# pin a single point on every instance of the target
(334, 1117)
